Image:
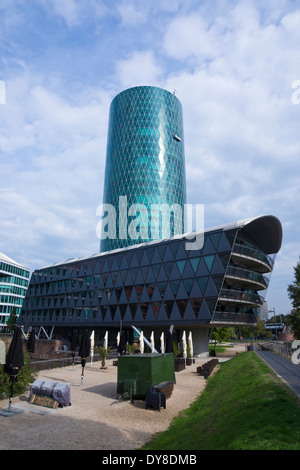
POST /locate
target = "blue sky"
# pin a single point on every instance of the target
(232, 64)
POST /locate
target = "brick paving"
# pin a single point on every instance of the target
(284, 368)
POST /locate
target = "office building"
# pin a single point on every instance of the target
(154, 283)
(157, 284)
(145, 165)
(14, 280)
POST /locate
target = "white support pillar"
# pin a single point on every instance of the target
(200, 341)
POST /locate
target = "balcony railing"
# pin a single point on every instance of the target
(247, 277)
(254, 254)
(241, 298)
(234, 318)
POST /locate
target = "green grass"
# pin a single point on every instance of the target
(244, 406)
(219, 348)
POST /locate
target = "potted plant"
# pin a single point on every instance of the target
(130, 348)
(179, 362)
(103, 352)
(189, 359)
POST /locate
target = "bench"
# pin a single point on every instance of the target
(166, 388)
(206, 369)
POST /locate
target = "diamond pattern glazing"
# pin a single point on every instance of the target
(145, 159)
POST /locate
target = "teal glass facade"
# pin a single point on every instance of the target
(14, 280)
(145, 163)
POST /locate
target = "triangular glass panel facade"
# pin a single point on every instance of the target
(156, 284)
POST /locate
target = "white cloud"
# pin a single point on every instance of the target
(52, 161)
(140, 68)
(69, 10)
(190, 36)
(130, 14)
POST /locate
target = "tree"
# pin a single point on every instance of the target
(103, 352)
(260, 329)
(219, 335)
(26, 376)
(294, 295)
(12, 320)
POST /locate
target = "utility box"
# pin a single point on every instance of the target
(137, 371)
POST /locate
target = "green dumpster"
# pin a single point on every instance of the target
(137, 371)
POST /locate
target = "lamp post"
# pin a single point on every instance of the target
(273, 311)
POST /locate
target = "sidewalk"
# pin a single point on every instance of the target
(284, 369)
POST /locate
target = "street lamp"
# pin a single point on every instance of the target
(273, 311)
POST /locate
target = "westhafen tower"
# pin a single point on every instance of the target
(145, 167)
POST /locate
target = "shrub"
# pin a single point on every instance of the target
(25, 377)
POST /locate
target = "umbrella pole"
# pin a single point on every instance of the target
(82, 370)
(73, 361)
(11, 392)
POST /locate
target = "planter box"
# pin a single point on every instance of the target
(190, 361)
(179, 364)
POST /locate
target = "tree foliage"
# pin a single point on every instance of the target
(26, 376)
(220, 335)
(12, 320)
(294, 295)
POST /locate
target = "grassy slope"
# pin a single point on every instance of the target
(244, 406)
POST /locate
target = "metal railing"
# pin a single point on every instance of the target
(240, 297)
(47, 364)
(234, 318)
(253, 253)
(281, 348)
(250, 276)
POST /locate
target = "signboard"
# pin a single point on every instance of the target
(136, 336)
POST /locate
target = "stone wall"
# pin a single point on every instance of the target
(47, 348)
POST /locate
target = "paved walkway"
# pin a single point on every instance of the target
(284, 368)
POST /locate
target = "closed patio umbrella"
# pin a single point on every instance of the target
(14, 361)
(152, 342)
(122, 344)
(84, 351)
(106, 340)
(142, 343)
(31, 342)
(162, 343)
(92, 339)
(169, 343)
(184, 348)
(190, 342)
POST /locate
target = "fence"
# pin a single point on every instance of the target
(61, 362)
(284, 349)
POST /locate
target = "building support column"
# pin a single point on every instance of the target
(200, 341)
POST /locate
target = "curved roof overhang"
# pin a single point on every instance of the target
(265, 231)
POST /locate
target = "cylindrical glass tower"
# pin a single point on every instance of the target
(145, 168)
